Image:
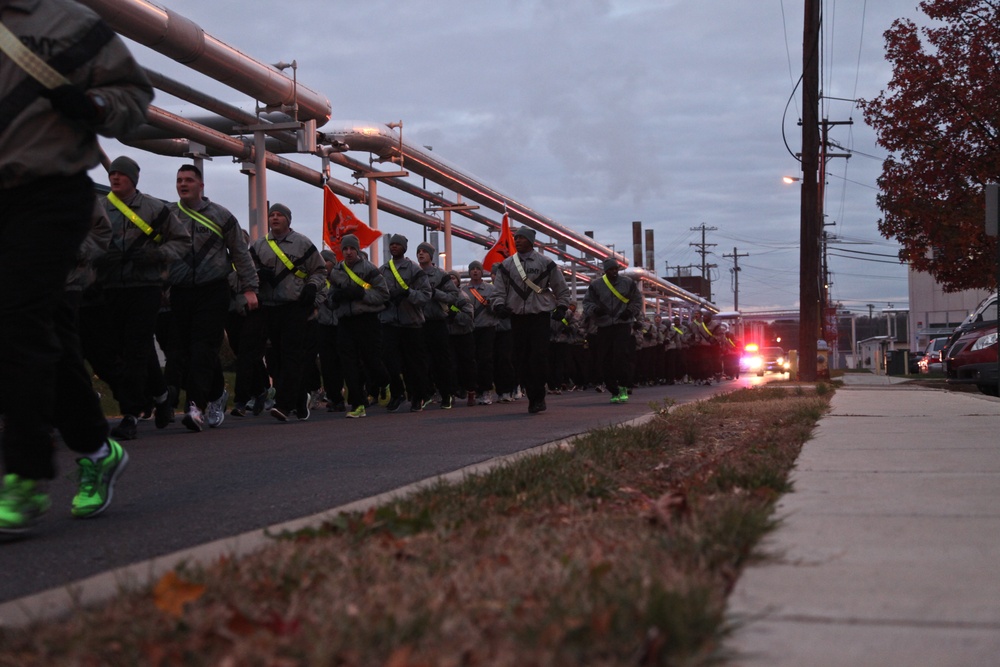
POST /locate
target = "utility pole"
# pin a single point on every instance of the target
(736, 276)
(703, 248)
(810, 221)
(703, 251)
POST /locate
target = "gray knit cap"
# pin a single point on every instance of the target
(282, 209)
(400, 239)
(526, 232)
(127, 166)
(349, 241)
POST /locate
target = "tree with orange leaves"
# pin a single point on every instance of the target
(940, 121)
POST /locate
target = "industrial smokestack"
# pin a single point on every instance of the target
(637, 243)
(649, 251)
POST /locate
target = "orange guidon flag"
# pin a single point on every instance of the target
(338, 220)
(503, 248)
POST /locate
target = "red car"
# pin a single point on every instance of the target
(972, 358)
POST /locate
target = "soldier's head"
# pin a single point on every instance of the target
(397, 246)
(123, 176)
(279, 219)
(475, 271)
(611, 267)
(190, 183)
(524, 239)
(425, 254)
(350, 248)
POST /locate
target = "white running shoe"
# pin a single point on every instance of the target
(193, 419)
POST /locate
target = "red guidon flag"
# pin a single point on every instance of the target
(503, 248)
(338, 221)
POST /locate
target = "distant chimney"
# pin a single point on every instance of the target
(649, 251)
(637, 243)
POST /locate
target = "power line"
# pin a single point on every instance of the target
(863, 259)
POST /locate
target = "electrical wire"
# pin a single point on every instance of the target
(862, 252)
(864, 259)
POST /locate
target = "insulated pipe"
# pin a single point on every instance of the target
(228, 115)
(437, 199)
(373, 138)
(650, 280)
(242, 151)
(180, 38)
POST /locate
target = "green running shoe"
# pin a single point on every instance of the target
(357, 413)
(97, 481)
(615, 398)
(21, 504)
(623, 396)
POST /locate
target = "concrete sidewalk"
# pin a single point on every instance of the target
(889, 549)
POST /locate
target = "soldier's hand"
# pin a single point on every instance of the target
(308, 295)
(353, 292)
(73, 103)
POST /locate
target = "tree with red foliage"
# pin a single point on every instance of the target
(940, 122)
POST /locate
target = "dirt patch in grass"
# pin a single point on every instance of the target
(619, 550)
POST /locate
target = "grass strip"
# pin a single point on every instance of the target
(618, 550)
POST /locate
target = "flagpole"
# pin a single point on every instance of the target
(373, 217)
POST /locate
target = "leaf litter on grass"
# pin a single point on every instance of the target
(619, 550)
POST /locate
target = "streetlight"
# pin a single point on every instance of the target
(790, 179)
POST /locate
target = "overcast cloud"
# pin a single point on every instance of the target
(593, 112)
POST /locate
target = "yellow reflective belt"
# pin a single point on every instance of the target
(399, 278)
(133, 216)
(613, 290)
(200, 219)
(355, 277)
(299, 273)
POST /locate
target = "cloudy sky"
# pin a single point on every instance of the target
(594, 113)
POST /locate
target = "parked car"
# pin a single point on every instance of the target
(986, 311)
(931, 362)
(972, 358)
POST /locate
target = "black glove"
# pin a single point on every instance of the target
(625, 316)
(353, 292)
(73, 103)
(308, 295)
(559, 313)
(502, 311)
(399, 297)
(336, 295)
(266, 275)
(452, 313)
(600, 311)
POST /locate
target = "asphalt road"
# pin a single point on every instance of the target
(183, 489)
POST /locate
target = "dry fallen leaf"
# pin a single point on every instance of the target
(172, 593)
